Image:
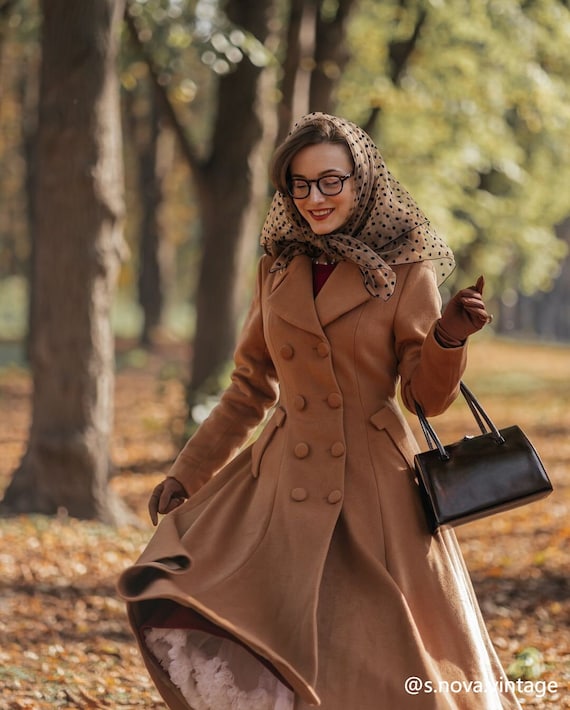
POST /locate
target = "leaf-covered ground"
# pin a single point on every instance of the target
(64, 640)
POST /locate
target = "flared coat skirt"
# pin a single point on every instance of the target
(379, 615)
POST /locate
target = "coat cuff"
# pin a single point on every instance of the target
(435, 383)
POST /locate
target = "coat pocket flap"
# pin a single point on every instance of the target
(386, 419)
(276, 420)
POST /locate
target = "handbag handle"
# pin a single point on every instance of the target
(484, 421)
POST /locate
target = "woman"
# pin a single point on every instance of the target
(303, 572)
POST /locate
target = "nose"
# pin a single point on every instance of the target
(315, 195)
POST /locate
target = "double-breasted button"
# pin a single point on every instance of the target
(323, 349)
(299, 494)
(299, 402)
(337, 449)
(334, 497)
(301, 450)
(334, 400)
(286, 351)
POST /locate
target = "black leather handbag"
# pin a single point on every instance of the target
(479, 475)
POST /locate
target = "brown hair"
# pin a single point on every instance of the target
(320, 130)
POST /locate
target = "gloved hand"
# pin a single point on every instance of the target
(464, 315)
(166, 496)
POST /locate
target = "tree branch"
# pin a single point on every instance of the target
(399, 54)
(165, 103)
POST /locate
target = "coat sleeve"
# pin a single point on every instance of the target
(430, 373)
(242, 406)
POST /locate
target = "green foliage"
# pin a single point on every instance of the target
(188, 41)
(477, 126)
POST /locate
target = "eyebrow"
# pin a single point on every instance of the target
(323, 173)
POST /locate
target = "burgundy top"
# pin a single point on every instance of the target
(321, 272)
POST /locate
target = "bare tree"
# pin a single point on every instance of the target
(78, 243)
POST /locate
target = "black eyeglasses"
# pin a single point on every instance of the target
(328, 185)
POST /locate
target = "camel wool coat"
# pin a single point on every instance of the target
(310, 545)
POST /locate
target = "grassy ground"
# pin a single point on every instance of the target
(64, 641)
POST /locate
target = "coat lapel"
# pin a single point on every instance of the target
(343, 291)
(291, 295)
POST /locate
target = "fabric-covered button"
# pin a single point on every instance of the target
(334, 400)
(287, 352)
(300, 402)
(337, 449)
(299, 494)
(301, 450)
(323, 349)
(334, 497)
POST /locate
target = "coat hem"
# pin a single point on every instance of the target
(300, 686)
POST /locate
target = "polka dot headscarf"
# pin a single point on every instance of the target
(385, 228)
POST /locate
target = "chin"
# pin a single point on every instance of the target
(322, 229)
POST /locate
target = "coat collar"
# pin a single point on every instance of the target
(291, 294)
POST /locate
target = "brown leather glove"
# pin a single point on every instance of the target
(166, 496)
(464, 315)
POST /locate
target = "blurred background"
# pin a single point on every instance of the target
(135, 137)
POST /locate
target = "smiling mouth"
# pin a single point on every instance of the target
(321, 214)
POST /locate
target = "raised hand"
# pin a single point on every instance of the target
(464, 315)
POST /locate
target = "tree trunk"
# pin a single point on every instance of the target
(315, 57)
(331, 56)
(29, 134)
(232, 190)
(290, 66)
(78, 242)
(154, 150)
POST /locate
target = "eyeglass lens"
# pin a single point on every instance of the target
(327, 185)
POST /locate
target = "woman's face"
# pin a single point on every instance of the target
(324, 213)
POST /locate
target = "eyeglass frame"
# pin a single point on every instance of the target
(342, 178)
